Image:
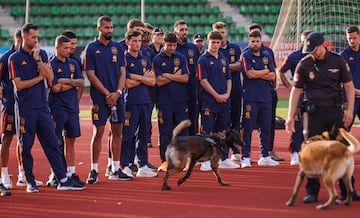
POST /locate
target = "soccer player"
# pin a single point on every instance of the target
(64, 103)
(105, 69)
(172, 76)
(29, 66)
(137, 124)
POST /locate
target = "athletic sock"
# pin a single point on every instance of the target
(109, 163)
(115, 166)
(94, 166)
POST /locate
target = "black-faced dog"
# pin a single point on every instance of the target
(197, 148)
(332, 160)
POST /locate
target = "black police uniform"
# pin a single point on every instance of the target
(322, 81)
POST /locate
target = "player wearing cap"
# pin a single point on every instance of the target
(199, 41)
(324, 74)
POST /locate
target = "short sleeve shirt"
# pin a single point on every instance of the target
(23, 65)
(232, 52)
(67, 100)
(7, 85)
(137, 65)
(353, 59)
(173, 92)
(323, 78)
(216, 71)
(106, 61)
(256, 90)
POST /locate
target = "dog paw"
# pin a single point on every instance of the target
(180, 181)
(290, 203)
(321, 207)
(225, 184)
(166, 188)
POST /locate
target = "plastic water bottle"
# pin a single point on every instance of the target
(114, 116)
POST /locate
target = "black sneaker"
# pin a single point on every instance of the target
(76, 179)
(151, 166)
(70, 185)
(149, 145)
(119, 175)
(52, 182)
(92, 178)
(4, 191)
(133, 168)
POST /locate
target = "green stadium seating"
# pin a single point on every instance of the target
(81, 15)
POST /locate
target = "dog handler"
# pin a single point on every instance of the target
(323, 73)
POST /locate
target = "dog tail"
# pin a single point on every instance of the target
(182, 125)
(354, 143)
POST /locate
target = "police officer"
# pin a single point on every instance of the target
(324, 73)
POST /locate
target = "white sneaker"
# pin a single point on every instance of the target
(235, 157)
(205, 166)
(267, 161)
(128, 171)
(21, 182)
(294, 158)
(6, 181)
(246, 162)
(145, 171)
(228, 164)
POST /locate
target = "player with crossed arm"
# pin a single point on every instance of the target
(64, 103)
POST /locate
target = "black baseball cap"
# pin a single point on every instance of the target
(312, 41)
(158, 30)
(198, 36)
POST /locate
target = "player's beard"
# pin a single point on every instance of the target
(184, 40)
(108, 37)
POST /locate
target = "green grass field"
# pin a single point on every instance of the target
(281, 111)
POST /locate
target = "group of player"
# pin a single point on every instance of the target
(217, 82)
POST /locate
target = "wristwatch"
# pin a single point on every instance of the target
(119, 91)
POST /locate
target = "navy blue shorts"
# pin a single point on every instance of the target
(67, 122)
(8, 117)
(100, 113)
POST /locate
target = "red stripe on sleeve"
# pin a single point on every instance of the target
(244, 64)
(1, 69)
(12, 70)
(199, 71)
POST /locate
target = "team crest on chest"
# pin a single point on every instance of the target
(311, 75)
(143, 63)
(265, 60)
(223, 62)
(232, 51)
(177, 61)
(191, 53)
(72, 68)
(59, 70)
(114, 50)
